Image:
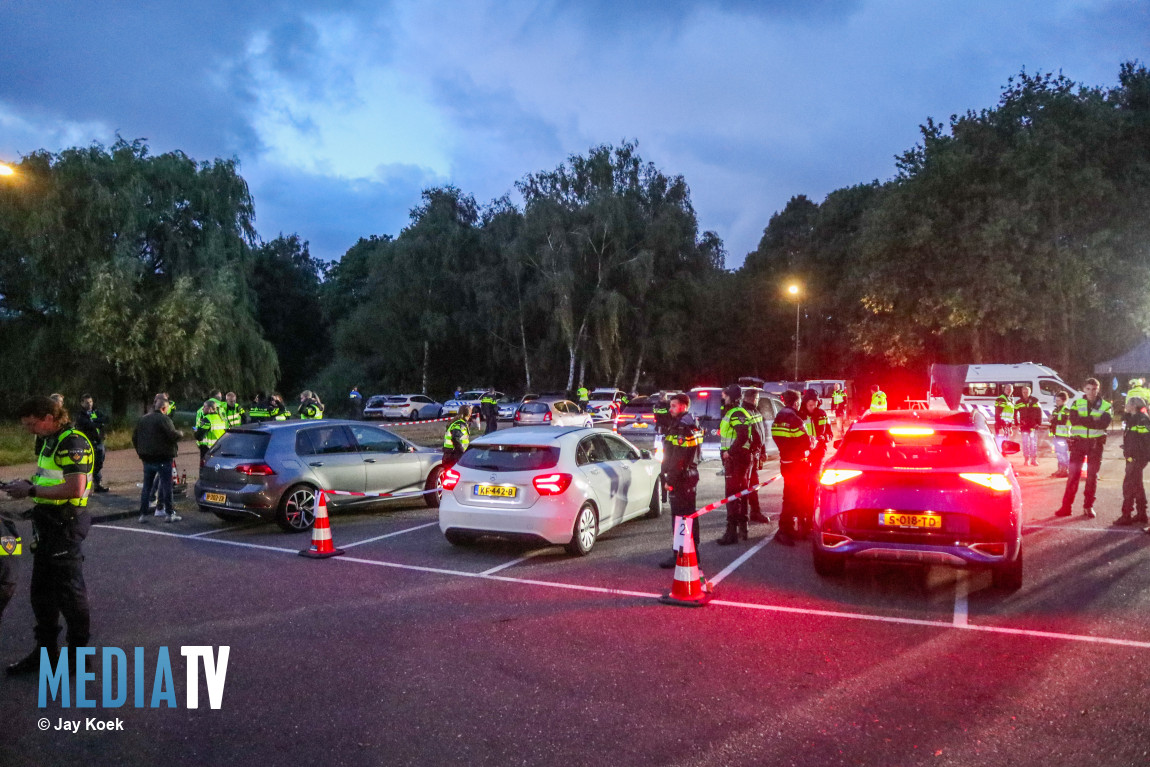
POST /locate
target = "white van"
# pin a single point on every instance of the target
(985, 382)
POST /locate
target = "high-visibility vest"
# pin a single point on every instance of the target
(878, 401)
(488, 399)
(213, 425)
(838, 397)
(1082, 407)
(50, 467)
(736, 416)
(1060, 417)
(464, 436)
(10, 543)
(311, 411)
(234, 414)
(1007, 407)
(582, 394)
(693, 439)
(259, 413)
(1141, 392)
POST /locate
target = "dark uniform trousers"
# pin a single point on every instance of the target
(796, 477)
(1089, 450)
(450, 457)
(814, 466)
(57, 576)
(98, 452)
(737, 475)
(1133, 492)
(682, 497)
(753, 498)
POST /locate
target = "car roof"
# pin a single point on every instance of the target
(955, 419)
(527, 435)
(549, 398)
(271, 426)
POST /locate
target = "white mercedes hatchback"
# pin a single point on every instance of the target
(547, 483)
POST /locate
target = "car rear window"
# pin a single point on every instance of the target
(242, 444)
(397, 399)
(938, 450)
(510, 457)
(706, 404)
(534, 408)
(376, 401)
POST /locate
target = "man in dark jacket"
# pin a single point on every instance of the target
(156, 440)
(819, 428)
(794, 442)
(92, 423)
(681, 444)
(1028, 418)
(1136, 451)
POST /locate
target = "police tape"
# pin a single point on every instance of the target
(712, 506)
(430, 420)
(415, 494)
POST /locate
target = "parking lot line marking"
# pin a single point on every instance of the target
(648, 595)
(1078, 529)
(388, 535)
(224, 529)
(961, 592)
(738, 562)
(513, 562)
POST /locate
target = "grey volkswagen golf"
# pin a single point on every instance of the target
(272, 470)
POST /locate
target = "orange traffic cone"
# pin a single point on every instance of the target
(690, 588)
(321, 545)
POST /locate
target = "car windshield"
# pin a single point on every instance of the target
(640, 405)
(706, 404)
(473, 394)
(510, 457)
(242, 444)
(927, 449)
(534, 407)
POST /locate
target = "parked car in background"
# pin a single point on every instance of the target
(472, 397)
(603, 402)
(562, 486)
(551, 411)
(375, 406)
(636, 420)
(411, 407)
(706, 407)
(272, 470)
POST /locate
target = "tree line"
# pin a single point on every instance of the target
(1014, 233)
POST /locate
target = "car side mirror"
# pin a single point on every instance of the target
(837, 443)
(1009, 447)
(645, 453)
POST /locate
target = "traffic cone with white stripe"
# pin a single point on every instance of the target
(321, 545)
(690, 588)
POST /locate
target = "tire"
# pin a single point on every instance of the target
(656, 509)
(585, 531)
(460, 538)
(1008, 577)
(413, 415)
(296, 512)
(433, 480)
(828, 565)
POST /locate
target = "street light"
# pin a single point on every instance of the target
(793, 289)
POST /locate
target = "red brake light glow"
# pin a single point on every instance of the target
(551, 484)
(255, 469)
(997, 482)
(703, 394)
(450, 479)
(834, 476)
(547, 416)
(911, 431)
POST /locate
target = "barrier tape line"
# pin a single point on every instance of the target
(412, 423)
(712, 506)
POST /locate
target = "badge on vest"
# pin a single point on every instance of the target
(9, 543)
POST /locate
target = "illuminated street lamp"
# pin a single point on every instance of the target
(793, 289)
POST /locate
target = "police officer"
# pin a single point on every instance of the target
(489, 410)
(233, 412)
(818, 427)
(759, 453)
(1060, 435)
(662, 412)
(310, 408)
(1089, 419)
(582, 396)
(737, 450)
(91, 423)
(794, 442)
(877, 399)
(1136, 451)
(457, 437)
(277, 410)
(260, 410)
(355, 403)
(60, 522)
(839, 403)
(209, 428)
(1004, 413)
(11, 546)
(681, 443)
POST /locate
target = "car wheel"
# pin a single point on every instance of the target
(296, 512)
(828, 565)
(1008, 577)
(656, 509)
(460, 538)
(434, 480)
(413, 415)
(585, 532)
(439, 413)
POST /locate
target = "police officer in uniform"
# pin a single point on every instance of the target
(681, 443)
(1136, 451)
(839, 403)
(818, 427)
(233, 412)
(260, 409)
(736, 449)
(456, 438)
(877, 400)
(489, 410)
(11, 546)
(1060, 435)
(310, 408)
(1004, 413)
(277, 410)
(662, 412)
(1089, 419)
(582, 396)
(60, 522)
(794, 442)
(91, 423)
(209, 428)
(758, 451)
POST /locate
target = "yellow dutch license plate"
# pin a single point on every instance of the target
(919, 521)
(640, 426)
(215, 498)
(498, 491)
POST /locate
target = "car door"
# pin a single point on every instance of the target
(330, 453)
(389, 464)
(559, 414)
(591, 458)
(574, 416)
(635, 480)
(614, 476)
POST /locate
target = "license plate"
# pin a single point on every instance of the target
(215, 498)
(640, 425)
(919, 521)
(498, 491)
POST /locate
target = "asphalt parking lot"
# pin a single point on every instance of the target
(407, 650)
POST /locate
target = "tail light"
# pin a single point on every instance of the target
(911, 431)
(516, 415)
(834, 476)
(450, 479)
(834, 540)
(255, 469)
(997, 482)
(547, 416)
(551, 484)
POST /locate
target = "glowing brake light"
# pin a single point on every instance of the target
(450, 479)
(551, 484)
(255, 469)
(547, 416)
(834, 476)
(910, 431)
(703, 394)
(997, 482)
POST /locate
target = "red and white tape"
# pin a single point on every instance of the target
(411, 423)
(712, 506)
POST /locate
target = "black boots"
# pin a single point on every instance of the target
(30, 663)
(732, 534)
(742, 529)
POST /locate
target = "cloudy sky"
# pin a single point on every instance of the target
(341, 112)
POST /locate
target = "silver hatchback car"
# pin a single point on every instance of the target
(272, 470)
